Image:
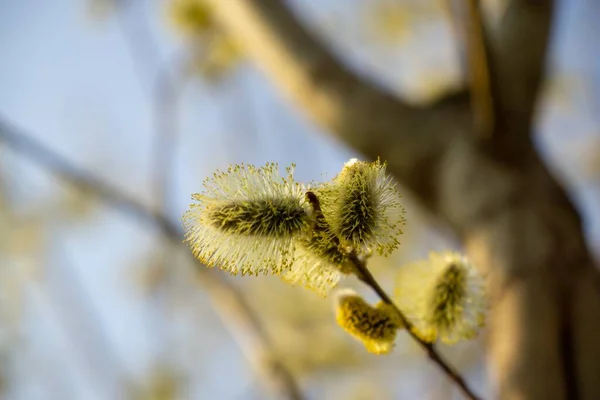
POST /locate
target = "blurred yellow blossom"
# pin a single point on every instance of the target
(374, 326)
(442, 296)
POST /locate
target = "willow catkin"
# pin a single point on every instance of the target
(375, 327)
(247, 220)
(443, 296)
(363, 207)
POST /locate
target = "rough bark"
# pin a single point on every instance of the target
(516, 221)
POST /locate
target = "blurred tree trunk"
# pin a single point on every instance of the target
(497, 194)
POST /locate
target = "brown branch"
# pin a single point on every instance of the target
(519, 56)
(232, 307)
(243, 324)
(473, 37)
(481, 75)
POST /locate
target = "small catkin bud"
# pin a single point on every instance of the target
(375, 326)
(247, 220)
(362, 205)
(443, 297)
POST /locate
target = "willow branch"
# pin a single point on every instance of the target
(366, 277)
(363, 273)
(230, 304)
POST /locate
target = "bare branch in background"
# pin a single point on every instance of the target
(473, 40)
(229, 303)
(358, 112)
(519, 48)
(143, 49)
(81, 325)
(165, 97)
(481, 75)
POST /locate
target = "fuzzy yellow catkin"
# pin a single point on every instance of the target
(362, 205)
(447, 297)
(443, 296)
(375, 327)
(250, 220)
(247, 220)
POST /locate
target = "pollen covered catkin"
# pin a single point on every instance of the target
(250, 220)
(247, 220)
(442, 296)
(375, 327)
(362, 205)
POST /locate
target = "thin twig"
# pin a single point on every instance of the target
(81, 324)
(480, 71)
(363, 274)
(143, 48)
(231, 305)
(166, 93)
(170, 83)
(475, 51)
(481, 77)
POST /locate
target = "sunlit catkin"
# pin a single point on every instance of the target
(247, 220)
(375, 327)
(320, 262)
(442, 296)
(362, 205)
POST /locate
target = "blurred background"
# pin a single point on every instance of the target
(135, 102)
